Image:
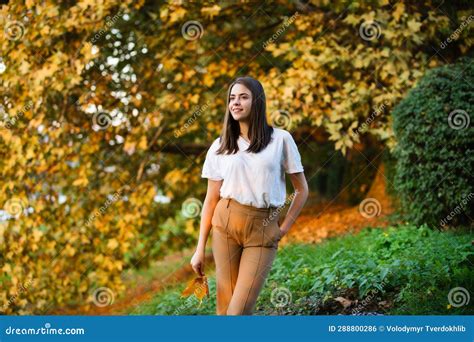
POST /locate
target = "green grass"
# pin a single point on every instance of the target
(401, 270)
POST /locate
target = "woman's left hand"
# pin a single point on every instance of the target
(282, 233)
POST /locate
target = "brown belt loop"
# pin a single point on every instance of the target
(228, 202)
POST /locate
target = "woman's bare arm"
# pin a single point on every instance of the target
(210, 202)
(300, 196)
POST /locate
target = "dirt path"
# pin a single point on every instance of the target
(324, 220)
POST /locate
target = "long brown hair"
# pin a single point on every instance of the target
(260, 132)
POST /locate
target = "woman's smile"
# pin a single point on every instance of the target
(240, 102)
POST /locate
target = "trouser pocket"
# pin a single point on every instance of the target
(220, 217)
(264, 232)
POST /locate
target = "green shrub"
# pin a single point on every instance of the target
(413, 267)
(433, 126)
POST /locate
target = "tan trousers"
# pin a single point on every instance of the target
(244, 244)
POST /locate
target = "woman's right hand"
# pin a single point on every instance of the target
(197, 263)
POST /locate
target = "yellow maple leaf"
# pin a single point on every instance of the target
(413, 25)
(197, 286)
(177, 14)
(399, 10)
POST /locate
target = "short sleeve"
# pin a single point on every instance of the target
(211, 168)
(291, 155)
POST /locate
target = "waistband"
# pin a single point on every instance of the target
(236, 205)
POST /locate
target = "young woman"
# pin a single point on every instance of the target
(246, 191)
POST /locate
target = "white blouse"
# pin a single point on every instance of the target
(256, 179)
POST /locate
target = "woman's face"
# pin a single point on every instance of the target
(240, 102)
